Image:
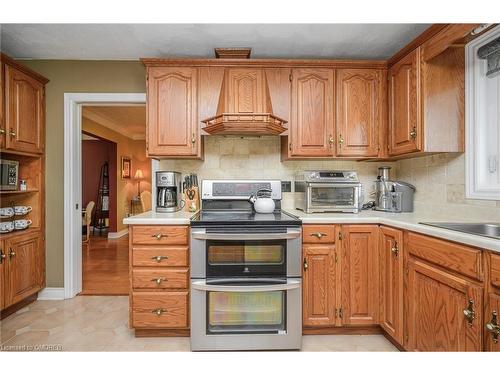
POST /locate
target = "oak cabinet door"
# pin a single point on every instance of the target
(319, 285)
(391, 282)
(492, 323)
(436, 304)
(22, 267)
(24, 118)
(359, 111)
(172, 102)
(3, 259)
(3, 132)
(312, 125)
(405, 133)
(360, 285)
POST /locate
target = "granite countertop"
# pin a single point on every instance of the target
(407, 221)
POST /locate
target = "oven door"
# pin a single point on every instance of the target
(246, 314)
(324, 196)
(249, 252)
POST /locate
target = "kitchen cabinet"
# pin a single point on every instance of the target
(492, 307)
(319, 285)
(391, 282)
(360, 275)
(23, 275)
(24, 111)
(359, 101)
(405, 135)
(172, 108)
(3, 259)
(3, 132)
(444, 310)
(311, 129)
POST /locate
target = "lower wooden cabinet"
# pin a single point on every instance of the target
(360, 275)
(492, 323)
(319, 285)
(22, 267)
(444, 310)
(160, 309)
(3, 258)
(391, 282)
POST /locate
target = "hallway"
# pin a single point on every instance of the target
(105, 266)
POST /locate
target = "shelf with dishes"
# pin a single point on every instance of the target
(13, 221)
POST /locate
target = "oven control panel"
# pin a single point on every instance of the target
(238, 189)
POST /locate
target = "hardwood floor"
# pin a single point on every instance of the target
(105, 266)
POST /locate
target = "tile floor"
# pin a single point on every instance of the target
(98, 323)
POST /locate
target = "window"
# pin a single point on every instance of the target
(483, 116)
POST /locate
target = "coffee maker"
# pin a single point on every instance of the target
(168, 191)
(392, 196)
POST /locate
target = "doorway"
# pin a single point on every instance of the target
(104, 249)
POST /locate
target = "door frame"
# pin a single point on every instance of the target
(73, 103)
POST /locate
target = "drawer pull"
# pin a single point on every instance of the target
(159, 280)
(159, 236)
(159, 258)
(12, 133)
(158, 312)
(318, 235)
(306, 266)
(493, 327)
(395, 249)
(469, 312)
(12, 253)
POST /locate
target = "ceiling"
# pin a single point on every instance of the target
(133, 41)
(129, 121)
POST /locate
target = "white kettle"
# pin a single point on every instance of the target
(262, 202)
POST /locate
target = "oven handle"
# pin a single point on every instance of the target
(245, 236)
(202, 285)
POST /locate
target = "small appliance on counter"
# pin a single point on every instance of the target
(9, 173)
(168, 191)
(392, 196)
(328, 191)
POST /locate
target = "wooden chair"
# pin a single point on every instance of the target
(86, 219)
(146, 201)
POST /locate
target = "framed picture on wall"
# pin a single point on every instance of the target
(126, 166)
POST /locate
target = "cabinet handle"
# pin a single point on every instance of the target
(306, 266)
(2, 131)
(413, 133)
(158, 312)
(341, 140)
(12, 253)
(159, 236)
(493, 327)
(2, 256)
(469, 312)
(159, 280)
(318, 235)
(159, 258)
(12, 133)
(331, 140)
(395, 249)
(193, 139)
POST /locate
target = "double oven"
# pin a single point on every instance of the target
(246, 282)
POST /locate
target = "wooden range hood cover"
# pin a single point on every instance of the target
(244, 106)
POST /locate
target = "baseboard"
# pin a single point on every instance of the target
(119, 234)
(51, 294)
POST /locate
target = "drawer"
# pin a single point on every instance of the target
(495, 270)
(455, 257)
(160, 256)
(318, 233)
(160, 235)
(160, 309)
(160, 278)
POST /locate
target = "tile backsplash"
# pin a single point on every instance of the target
(439, 179)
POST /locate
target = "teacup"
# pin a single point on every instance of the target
(22, 224)
(6, 212)
(6, 226)
(22, 210)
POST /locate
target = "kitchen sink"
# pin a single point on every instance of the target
(491, 230)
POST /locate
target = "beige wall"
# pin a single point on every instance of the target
(136, 150)
(72, 76)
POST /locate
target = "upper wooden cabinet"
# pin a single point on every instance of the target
(311, 129)
(360, 100)
(172, 124)
(391, 282)
(24, 112)
(360, 273)
(405, 133)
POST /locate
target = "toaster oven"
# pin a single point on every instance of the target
(9, 173)
(328, 191)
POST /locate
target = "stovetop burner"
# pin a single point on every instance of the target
(234, 217)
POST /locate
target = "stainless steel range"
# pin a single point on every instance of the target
(245, 271)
